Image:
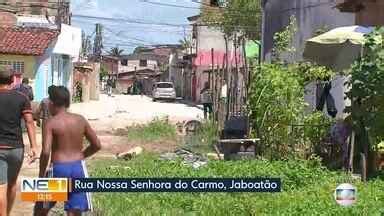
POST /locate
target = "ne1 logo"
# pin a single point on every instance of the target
(44, 189)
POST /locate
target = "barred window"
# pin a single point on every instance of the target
(17, 66)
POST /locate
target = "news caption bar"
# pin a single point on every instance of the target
(269, 185)
(57, 189)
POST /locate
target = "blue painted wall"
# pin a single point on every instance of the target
(51, 69)
(43, 78)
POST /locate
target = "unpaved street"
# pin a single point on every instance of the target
(111, 113)
(124, 110)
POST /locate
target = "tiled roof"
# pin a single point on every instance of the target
(26, 41)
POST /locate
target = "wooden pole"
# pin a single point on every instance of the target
(226, 75)
(236, 80)
(217, 94)
(212, 67)
(352, 151)
(246, 71)
(363, 167)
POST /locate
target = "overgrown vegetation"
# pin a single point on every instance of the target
(307, 190)
(204, 138)
(156, 130)
(277, 103)
(283, 42)
(236, 17)
(367, 94)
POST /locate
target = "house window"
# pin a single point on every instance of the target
(143, 63)
(124, 62)
(17, 66)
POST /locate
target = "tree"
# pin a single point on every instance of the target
(86, 45)
(185, 43)
(283, 41)
(367, 96)
(103, 72)
(238, 16)
(115, 51)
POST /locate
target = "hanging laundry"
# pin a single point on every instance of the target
(326, 98)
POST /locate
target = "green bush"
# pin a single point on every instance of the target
(277, 106)
(367, 92)
(317, 126)
(155, 130)
(276, 101)
(307, 190)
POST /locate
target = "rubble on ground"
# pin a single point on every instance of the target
(189, 158)
(128, 155)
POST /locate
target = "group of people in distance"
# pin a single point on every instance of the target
(62, 150)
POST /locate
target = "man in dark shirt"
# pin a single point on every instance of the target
(25, 88)
(14, 106)
(109, 86)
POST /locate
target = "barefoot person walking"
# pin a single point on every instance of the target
(14, 107)
(63, 145)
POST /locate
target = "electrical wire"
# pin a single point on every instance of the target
(127, 20)
(155, 23)
(139, 27)
(209, 7)
(126, 37)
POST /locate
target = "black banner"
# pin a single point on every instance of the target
(176, 185)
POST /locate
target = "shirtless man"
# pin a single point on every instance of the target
(63, 144)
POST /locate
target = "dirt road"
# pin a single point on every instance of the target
(108, 114)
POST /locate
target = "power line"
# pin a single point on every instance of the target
(155, 23)
(130, 20)
(215, 8)
(205, 7)
(133, 38)
(121, 45)
(139, 28)
(169, 5)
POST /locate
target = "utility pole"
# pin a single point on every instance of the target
(63, 14)
(98, 42)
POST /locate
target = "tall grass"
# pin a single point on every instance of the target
(307, 189)
(157, 129)
(204, 138)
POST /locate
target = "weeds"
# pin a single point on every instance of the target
(307, 189)
(156, 130)
(204, 138)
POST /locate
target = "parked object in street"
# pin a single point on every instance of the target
(163, 90)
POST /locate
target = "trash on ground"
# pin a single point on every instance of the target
(215, 156)
(189, 158)
(128, 155)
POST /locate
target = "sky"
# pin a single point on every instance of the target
(122, 21)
